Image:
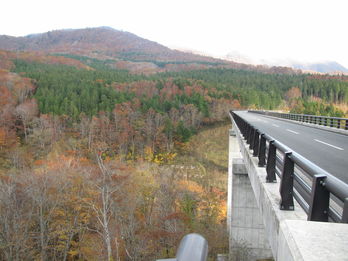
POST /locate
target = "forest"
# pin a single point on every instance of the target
(98, 163)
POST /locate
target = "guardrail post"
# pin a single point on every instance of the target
(256, 143)
(345, 211)
(338, 124)
(252, 138)
(245, 134)
(331, 122)
(248, 138)
(287, 184)
(262, 151)
(244, 127)
(319, 204)
(271, 162)
(346, 127)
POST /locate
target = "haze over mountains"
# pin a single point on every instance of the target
(126, 50)
(141, 55)
(331, 67)
(323, 67)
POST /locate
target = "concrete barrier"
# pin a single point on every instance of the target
(290, 236)
(247, 233)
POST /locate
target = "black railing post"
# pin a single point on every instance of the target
(252, 137)
(250, 130)
(331, 122)
(256, 143)
(345, 211)
(245, 134)
(271, 162)
(262, 151)
(287, 184)
(346, 127)
(338, 124)
(320, 197)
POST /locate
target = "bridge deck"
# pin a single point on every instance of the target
(326, 149)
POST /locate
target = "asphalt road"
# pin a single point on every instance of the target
(326, 149)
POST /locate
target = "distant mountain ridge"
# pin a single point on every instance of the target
(331, 67)
(324, 67)
(126, 50)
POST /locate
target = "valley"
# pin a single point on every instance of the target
(115, 146)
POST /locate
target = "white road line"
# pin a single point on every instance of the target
(328, 144)
(292, 131)
(275, 125)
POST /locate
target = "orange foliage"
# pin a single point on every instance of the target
(191, 186)
(6, 58)
(293, 93)
(2, 137)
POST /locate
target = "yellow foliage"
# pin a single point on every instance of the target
(222, 214)
(167, 157)
(148, 154)
(73, 253)
(158, 158)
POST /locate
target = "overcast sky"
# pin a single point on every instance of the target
(304, 30)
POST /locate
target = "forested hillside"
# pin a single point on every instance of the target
(122, 50)
(98, 162)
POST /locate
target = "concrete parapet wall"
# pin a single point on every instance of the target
(247, 233)
(312, 241)
(290, 235)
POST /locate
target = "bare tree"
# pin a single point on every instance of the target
(26, 112)
(103, 205)
(15, 214)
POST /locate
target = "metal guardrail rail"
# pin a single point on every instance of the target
(193, 247)
(322, 196)
(334, 122)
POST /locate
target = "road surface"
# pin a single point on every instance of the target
(326, 149)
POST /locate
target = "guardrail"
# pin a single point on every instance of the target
(334, 122)
(322, 196)
(193, 247)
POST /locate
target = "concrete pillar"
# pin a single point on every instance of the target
(246, 229)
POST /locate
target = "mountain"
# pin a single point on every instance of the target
(99, 42)
(324, 67)
(121, 50)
